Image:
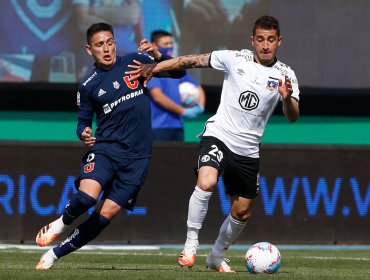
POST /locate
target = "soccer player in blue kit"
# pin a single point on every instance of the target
(118, 160)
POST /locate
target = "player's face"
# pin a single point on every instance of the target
(265, 43)
(165, 42)
(103, 49)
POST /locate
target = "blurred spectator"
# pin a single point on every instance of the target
(167, 108)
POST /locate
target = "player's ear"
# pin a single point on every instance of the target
(88, 49)
(279, 43)
(252, 41)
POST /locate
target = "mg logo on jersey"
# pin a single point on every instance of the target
(248, 100)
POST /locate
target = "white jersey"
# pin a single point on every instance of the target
(249, 97)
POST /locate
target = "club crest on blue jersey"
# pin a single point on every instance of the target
(116, 85)
(272, 85)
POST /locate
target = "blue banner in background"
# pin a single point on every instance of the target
(278, 197)
(309, 194)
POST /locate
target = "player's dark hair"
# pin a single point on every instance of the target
(268, 23)
(158, 34)
(97, 27)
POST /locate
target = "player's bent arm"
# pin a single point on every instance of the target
(176, 74)
(184, 62)
(291, 108)
(84, 120)
(147, 71)
(164, 101)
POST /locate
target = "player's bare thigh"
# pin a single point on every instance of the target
(107, 208)
(207, 178)
(90, 187)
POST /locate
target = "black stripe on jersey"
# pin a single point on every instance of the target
(209, 61)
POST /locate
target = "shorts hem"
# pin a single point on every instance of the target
(123, 205)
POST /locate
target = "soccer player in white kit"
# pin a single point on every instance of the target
(254, 83)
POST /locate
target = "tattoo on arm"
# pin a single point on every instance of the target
(194, 61)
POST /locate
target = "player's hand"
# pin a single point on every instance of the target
(146, 46)
(141, 71)
(193, 112)
(285, 89)
(87, 137)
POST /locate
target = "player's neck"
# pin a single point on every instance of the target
(267, 64)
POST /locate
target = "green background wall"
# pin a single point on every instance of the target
(61, 126)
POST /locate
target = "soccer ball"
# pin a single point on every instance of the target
(263, 257)
(189, 94)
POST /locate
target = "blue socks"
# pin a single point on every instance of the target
(79, 204)
(83, 234)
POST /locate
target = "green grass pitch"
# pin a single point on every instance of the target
(162, 264)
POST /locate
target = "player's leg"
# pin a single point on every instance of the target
(129, 176)
(209, 168)
(240, 177)
(229, 232)
(82, 234)
(93, 166)
(197, 211)
(80, 202)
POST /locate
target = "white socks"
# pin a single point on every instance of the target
(198, 207)
(57, 226)
(229, 232)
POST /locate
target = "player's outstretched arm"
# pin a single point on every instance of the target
(147, 71)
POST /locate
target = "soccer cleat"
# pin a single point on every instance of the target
(218, 264)
(49, 233)
(47, 260)
(188, 255)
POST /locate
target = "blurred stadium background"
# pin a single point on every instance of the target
(315, 186)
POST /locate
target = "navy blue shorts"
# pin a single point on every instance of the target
(120, 179)
(240, 174)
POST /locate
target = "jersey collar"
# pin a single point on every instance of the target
(269, 65)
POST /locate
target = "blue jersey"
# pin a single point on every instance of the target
(122, 109)
(161, 118)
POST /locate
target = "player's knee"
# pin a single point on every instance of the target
(109, 209)
(241, 215)
(207, 185)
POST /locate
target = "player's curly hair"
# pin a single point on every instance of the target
(268, 23)
(97, 27)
